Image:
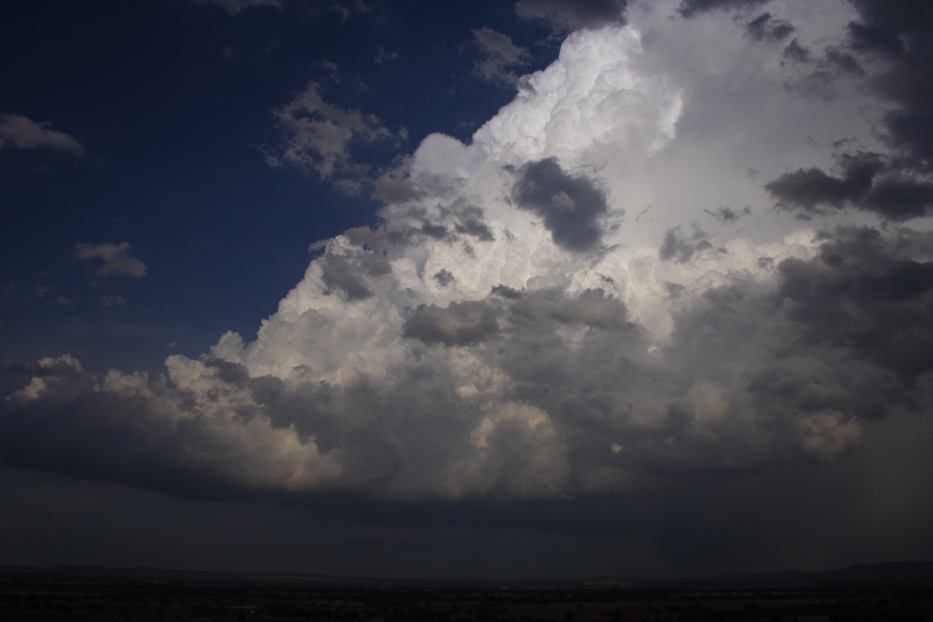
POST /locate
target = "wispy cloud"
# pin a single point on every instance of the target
(24, 133)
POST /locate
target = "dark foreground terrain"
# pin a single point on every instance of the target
(888, 592)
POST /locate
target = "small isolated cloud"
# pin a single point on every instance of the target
(112, 300)
(316, 136)
(725, 214)
(233, 7)
(116, 259)
(23, 133)
(498, 55)
(384, 56)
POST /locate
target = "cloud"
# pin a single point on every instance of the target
(234, 7)
(116, 259)
(571, 207)
(384, 56)
(317, 137)
(766, 28)
(865, 182)
(894, 35)
(726, 214)
(112, 300)
(498, 54)
(505, 332)
(65, 365)
(574, 14)
(692, 8)
(24, 133)
(894, 184)
(678, 246)
(460, 324)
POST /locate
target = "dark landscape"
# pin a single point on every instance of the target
(897, 591)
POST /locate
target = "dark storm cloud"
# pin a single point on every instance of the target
(691, 8)
(752, 375)
(574, 13)
(459, 324)
(865, 181)
(570, 206)
(811, 187)
(899, 35)
(867, 294)
(899, 198)
(765, 28)
(678, 246)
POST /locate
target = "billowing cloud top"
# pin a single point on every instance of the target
(610, 284)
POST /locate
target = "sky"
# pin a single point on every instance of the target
(543, 288)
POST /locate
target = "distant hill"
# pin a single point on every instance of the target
(889, 573)
(885, 573)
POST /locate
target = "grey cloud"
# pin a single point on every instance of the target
(865, 182)
(574, 13)
(570, 206)
(459, 324)
(347, 274)
(766, 28)
(498, 55)
(869, 294)
(592, 308)
(678, 246)
(506, 292)
(726, 214)
(116, 259)
(24, 133)
(692, 8)
(754, 374)
(318, 136)
(899, 198)
(438, 232)
(796, 52)
(394, 186)
(444, 277)
(43, 368)
(471, 223)
(896, 35)
(410, 225)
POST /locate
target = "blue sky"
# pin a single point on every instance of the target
(172, 102)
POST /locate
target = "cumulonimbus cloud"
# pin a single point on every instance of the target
(506, 331)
